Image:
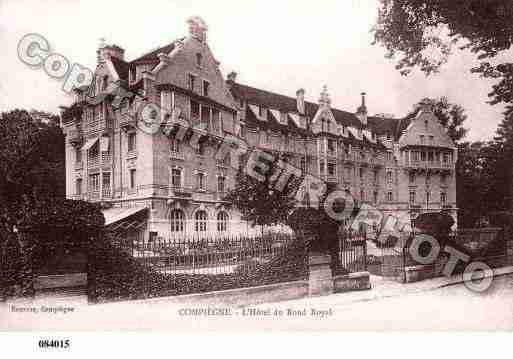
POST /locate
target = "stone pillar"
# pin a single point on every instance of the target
(320, 278)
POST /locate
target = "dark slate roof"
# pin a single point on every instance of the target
(121, 67)
(392, 126)
(288, 104)
(152, 56)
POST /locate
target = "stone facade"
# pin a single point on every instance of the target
(398, 165)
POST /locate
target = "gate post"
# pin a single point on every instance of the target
(320, 280)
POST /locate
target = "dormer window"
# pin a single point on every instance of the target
(261, 111)
(199, 58)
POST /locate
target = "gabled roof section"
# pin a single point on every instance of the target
(152, 56)
(121, 67)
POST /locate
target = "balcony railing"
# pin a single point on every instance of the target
(429, 164)
(106, 192)
(106, 159)
(93, 195)
(181, 191)
(93, 162)
(176, 155)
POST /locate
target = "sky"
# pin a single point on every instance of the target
(276, 45)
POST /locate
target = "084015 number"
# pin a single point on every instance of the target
(54, 344)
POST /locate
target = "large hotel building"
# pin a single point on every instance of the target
(398, 165)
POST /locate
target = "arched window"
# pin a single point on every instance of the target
(222, 221)
(177, 219)
(200, 224)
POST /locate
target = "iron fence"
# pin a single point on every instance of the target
(351, 255)
(211, 255)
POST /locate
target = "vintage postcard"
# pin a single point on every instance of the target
(256, 166)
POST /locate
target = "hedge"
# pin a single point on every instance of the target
(115, 275)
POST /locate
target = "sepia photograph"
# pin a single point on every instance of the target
(255, 166)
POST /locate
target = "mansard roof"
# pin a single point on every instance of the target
(381, 126)
(288, 104)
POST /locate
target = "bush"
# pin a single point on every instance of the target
(47, 231)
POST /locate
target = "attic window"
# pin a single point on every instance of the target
(199, 58)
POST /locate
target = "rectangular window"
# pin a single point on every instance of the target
(133, 178)
(412, 197)
(200, 181)
(331, 169)
(216, 121)
(390, 197)
(322, 169)
(422, 140)
(200, 149)
(106, 184)
(375, 197)
(443, 198)
(174, 146)
(431, 156)
(389, 156)
(302, 164)
(190, 81)
(376, 177)
(362, 172)
(390, 178)
(176, 177)
(428, 197)
(78, 186)
(206, 88)
(443, 179)
(331, 146)
(106, 180)
(205, 117)
(78, 155)
(132, 141)
(242, 132)
(423, 156)
(412, 177)
(195, 111)
(94, 182)
(220, 184)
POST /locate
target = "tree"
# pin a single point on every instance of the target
(31, 173)
(258, 201)
(451, 116)
(424, 33)
(504, 141)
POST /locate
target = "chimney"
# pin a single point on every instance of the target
(232, 76)
(426, 105)
(300, 96)
(324, 100)
(197, 28)
(361, 112)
